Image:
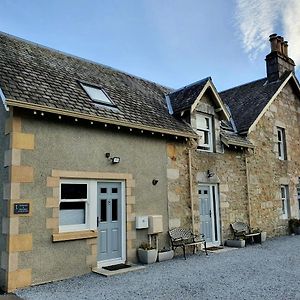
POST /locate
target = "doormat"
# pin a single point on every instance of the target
(116, 267)
(214, 248)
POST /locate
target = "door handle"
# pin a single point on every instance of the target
(210, 213)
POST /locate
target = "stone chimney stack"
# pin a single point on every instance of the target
(277, 60)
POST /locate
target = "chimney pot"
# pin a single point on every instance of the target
(273, 42)
(285, 48)
(279, 41)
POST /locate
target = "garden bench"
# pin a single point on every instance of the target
(242, 230)
(181, 237)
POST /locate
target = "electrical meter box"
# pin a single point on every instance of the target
(155, 224)
(141, 222)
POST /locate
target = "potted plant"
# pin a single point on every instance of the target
(165, 254)
(147, 254)
(294, 226)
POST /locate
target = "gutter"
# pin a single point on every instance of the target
(248, 191)
(21, 104)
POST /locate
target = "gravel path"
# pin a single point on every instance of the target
(268, 271)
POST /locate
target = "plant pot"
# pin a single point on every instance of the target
(147, 256)
(235, 243)
(263, 236)
(165, 255)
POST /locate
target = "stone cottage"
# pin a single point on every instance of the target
(90, 154)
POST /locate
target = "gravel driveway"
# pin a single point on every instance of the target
(268, 271)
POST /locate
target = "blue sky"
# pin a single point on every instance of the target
(171, 42)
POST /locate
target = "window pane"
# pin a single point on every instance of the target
(279, 150)
(96, 94)
(279, 135)
(103, 207)
(72, 213)
(283, 206)
(207, 123)
(103, 190)
(206, 139)
(73, 191)
(282, 192)
(114, 210)
(114, 190)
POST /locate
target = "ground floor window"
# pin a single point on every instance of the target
(75, 205)
(284, 201)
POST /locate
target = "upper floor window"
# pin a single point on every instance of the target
(97, 94)
(281, 143)
(284, 201)
(204, 125)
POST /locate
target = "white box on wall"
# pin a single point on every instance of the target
(141, 222)
(155, 224)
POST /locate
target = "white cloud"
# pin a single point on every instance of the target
(260, 18)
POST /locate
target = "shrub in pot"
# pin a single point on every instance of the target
(147, 254)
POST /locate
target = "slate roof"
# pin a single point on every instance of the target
(232, 138)
(34, 74)
(248, 100)
(185, 97)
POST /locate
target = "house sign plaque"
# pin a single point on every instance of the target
(21, 208)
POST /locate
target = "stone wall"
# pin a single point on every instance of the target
(267, 172)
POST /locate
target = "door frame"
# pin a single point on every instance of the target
(215, 207)
(110, 262)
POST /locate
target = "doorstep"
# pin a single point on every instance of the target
(108, 273)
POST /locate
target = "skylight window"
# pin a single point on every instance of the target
(97, 94)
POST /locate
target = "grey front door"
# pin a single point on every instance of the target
(205, 212)
(109, 221)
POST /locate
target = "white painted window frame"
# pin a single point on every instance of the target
(90, 205)
(284, 201)
(281, 143)
(210, 146)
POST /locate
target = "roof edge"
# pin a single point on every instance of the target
(270, 102)
(16, 103)
(221, 103)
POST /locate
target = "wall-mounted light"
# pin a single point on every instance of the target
(210, 174)
(154, 181)
(114, 159)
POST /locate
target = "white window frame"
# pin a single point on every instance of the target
(90, 205)
(284, 196)
(208, 147)
(281, 143)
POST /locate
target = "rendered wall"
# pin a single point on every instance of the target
(267, 172)
(59, 145)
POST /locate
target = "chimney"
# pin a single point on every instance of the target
(277, 60)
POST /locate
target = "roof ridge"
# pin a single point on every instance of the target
(243, 84)
(191, 84)
(80, 58)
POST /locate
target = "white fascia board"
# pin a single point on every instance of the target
(270, 102)
(3, 100)
(217, 97)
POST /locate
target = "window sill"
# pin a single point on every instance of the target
(75, 235)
